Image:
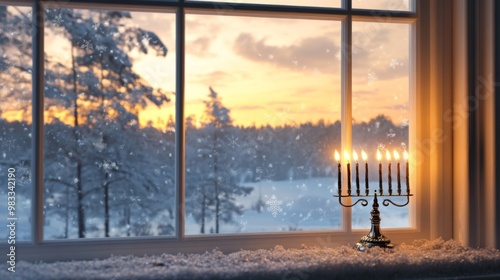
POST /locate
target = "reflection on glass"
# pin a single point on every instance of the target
(263, 111)
(109, 130)
(381, 108)
(15, 120)
(392, 5)
(312, 3)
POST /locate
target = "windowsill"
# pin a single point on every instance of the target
(421, 259)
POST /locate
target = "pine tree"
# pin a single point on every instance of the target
(214, 182)
(104, 93)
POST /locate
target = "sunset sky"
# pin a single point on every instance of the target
(284, 70)
(274, 70)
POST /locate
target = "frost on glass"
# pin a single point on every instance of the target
(109, 126)
(15, 119)
(392, 5)
(312, 3)
(381, 109)
(262, 121)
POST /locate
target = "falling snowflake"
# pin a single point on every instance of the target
(233, 142)
(338, 55)
(58, 20)
(220, 180)
(96, 26)
(391, 133)
(101, 48)
(395, 63)
(405, 122)
(87, 45)
(273, 206)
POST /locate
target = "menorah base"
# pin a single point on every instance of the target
(368, 242)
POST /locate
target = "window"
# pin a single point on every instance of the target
(15, 111)
(169, 121)
(109, 151)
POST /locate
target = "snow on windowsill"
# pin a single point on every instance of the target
(420, 260)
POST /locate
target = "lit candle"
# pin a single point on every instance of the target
(355, 157)
(389, 179)
(346, 155)
(339, 174)
(407, 176)
(379, 158)
(396, 157)
(363, 154)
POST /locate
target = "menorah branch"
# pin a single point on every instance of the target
(363, 201)
(387, 201)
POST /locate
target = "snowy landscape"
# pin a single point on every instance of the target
(107, 173)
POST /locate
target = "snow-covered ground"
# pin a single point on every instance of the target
(285, 205)
(302, 205)
(422, 259)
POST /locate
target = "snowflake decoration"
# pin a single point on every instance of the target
(24, 178)
(58, 20)
(147, 38)
(96, 26)
(233, 142)
(274, 206)
(395, 63)
(87, 45)
(372, 77)
(8, 144)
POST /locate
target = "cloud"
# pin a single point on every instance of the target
(314, 53)
(247, 108)
(215, 79)
(397, 107)
(199, 47)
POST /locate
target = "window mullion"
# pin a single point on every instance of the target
(179, 122)
(37, 123)
(346, 106)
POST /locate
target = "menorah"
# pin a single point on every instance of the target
(374, 237)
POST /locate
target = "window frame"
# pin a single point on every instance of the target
(88, 248)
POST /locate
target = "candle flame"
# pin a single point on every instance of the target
(337, 156)
(379, 155)
(355, 156)
(346, 155)
(363, 155)
(387, 155)
(405, 154)
(396, 155)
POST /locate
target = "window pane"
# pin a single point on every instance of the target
(393, 5)
(312, 3)
(15, 120)
(263, 111)
(109, 124)
(381, 109)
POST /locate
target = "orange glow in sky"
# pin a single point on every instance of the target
(271, 71)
